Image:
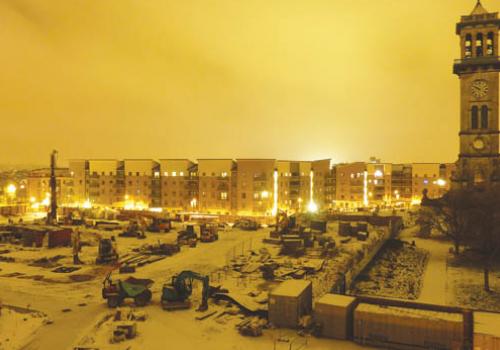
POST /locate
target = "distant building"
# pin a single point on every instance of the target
(216, 185)
(177, 193)
(105, 186)
(350, 185)
(142, 183)
(255, 186)
(38, 186)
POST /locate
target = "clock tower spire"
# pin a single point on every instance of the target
(478, 70)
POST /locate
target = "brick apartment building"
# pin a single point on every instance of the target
(242, 186)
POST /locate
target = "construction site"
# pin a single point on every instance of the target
(288, 232)
(87, 279)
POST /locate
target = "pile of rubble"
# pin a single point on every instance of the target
(396, 272)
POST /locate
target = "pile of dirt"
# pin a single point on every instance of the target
(396, 272)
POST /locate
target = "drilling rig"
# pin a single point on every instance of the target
(52, 215)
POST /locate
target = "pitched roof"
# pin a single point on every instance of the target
(479, 9)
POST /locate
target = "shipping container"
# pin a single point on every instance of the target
(407, 328)
(486, 331)
(334, 314)
(288, 302)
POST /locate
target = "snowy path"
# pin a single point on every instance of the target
(435, 288)
(434, 285)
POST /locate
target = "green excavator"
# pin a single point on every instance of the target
(175, 296)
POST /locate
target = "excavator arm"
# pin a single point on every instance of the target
(183, 286)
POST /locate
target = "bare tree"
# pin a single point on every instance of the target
(484, 237)
(450, 215)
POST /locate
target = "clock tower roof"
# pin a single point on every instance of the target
(479, 9)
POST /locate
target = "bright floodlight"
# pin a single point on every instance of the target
(11, 189)
(312, 207)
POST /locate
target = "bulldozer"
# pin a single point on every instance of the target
(117, 291)
(175, 296)
(107, 253)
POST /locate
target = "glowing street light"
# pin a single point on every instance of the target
(11, 189)
(441, 182)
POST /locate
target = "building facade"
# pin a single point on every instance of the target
(38, 186)
(478, 70)
(254, 186)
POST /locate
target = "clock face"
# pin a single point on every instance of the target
(478, 144)
(479, 88)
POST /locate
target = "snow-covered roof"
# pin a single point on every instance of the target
(291, 288)
(487, 323)
(336, 300)
(410, 313)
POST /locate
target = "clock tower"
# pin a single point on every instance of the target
(478, 70)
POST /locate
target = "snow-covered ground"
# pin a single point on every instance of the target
(77, 308)
(454, 281)
(17, 325)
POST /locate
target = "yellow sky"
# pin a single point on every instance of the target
(283, 79)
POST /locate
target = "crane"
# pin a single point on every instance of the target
(176, 294)
(52, 215)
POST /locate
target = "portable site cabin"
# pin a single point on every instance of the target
(334, 314)
(288, 302)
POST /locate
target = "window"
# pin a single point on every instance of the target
(489, 44)
(223, 195)
(474, 124)
(468, 46)
(484, 117)
(181, 173)
(174, 173)
(479, 45)
(243, 196)
(137, 173)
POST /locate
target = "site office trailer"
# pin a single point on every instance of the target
(334, 314)
(290, 301)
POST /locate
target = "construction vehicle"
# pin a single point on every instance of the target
(284, 224)
(160, 225)
(117, 291)
(134, 229)
(208, 233)
(107, 252)
(175, 296)
(187, 236)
